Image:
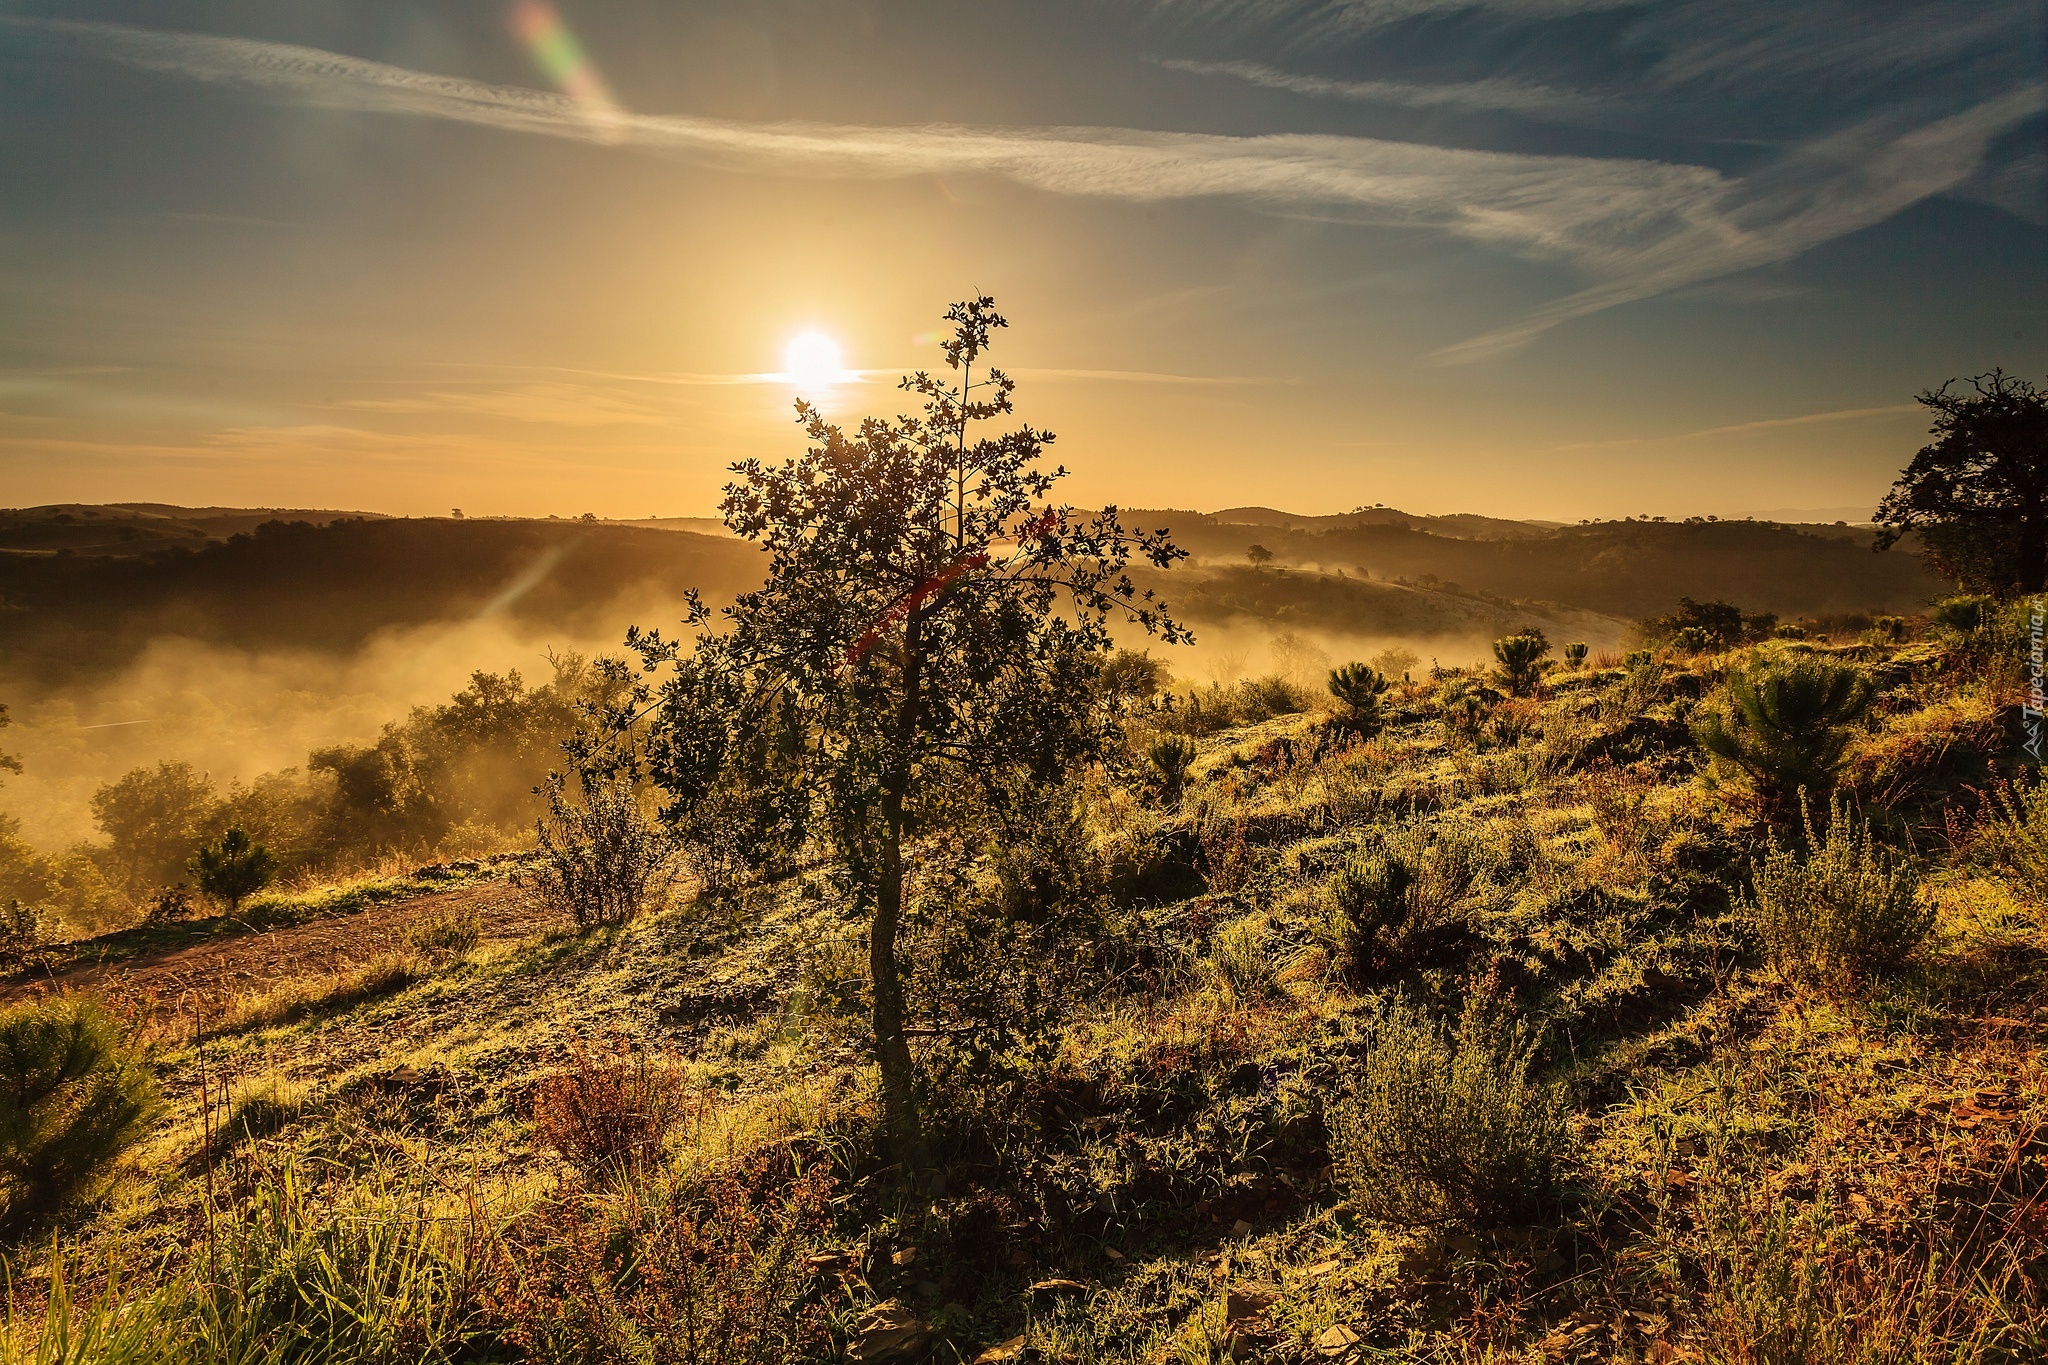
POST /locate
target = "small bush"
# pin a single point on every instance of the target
(22, 931)
(447, 933)
(1260, 699)
(233, 868)
(1846, 912)
(1444, 1127)
(1963, 615)
(1170, 757)
(1358, 690)
(609, 1112)
(1575, 655)
(1784, 726)
(600, 862)
(1521, 661)
(1371, 900)
(1241, 960)
(705, 1271)
(73, 1098)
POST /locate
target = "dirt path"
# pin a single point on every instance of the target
(212, 973)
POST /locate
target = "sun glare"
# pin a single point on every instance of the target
(812, 361)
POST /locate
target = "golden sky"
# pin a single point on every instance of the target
(1567, 259)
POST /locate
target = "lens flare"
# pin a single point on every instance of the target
(538, 24)
(812, 362)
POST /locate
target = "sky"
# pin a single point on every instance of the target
(1555, 259)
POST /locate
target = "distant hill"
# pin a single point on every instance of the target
(1627, 568)
(329, 587)
(83, 589)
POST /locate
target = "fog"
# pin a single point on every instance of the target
(236, 714)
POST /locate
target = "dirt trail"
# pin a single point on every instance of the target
(212, 973)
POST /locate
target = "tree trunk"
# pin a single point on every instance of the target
(892, 1047)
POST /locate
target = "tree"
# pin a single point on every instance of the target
(1521, 661)
(1784, 726)
(233, 867)
(154, 817)
(929, 630)
(1259, 555)
(1978, 493)
(1358, 689)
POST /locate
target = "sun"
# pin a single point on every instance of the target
(812, 361)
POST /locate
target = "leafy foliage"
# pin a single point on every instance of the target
(1978, 493)
(608, 1112)
(928, 624)
(1170, 757)
(73, 1098)
(1783, 725)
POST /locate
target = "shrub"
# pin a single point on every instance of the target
(609, 1112)
(1241, 959)
(1358, 689)
(2012, 831)
(1694, 640)
(1264, 698)
(600, 862)
(707, 1271)
(22, 931)
(1170, 757)
(233, 867)
(73, 1098)
(1371, 900)
(1463, 717)
(1783, 726)
(1575, 655)
(1846, 912)
(1444, 1127)
(1521, 662)
(448, 932)
(1961, 614)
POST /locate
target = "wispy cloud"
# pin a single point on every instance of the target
(1634, 227)
(1745, 428)
(1495, 94)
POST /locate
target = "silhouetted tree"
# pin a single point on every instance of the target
(1259, 555)
(1978, 493)
(9, 763)
(931, 629)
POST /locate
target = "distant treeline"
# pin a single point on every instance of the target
(294, 585)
